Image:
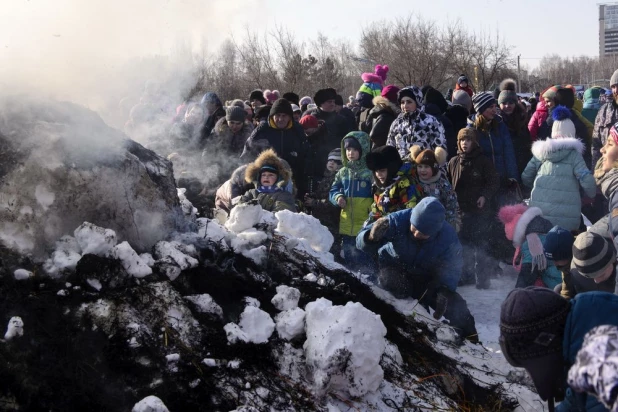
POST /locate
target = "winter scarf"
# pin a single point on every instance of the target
(269, 189)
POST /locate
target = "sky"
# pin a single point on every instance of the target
(47, 43)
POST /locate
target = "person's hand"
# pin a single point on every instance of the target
(341, 202)
(441, 304)
(378, 229)
(480, 203)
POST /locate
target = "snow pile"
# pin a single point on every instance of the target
(94, 239)
(243, 216)
(255, 326)
(247, 241)
(131, 261)
(291, 323)
(174, 257)
(150, 404)
(14, 328)
(286, 298)
(205, 304)
(306, 228)
(22, 274)
(65, 257)
(344, 346)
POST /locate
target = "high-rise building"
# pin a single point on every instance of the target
(608, 29)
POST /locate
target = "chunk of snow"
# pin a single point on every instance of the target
(310, 277)
(150, 404)
(65, 259)
(44, 196)
(233, 364)
(130, 260)
(286, 298)
(173, 251)
(290, 323)
(247, 385)
(94, 283)
(147, 259)
(252, 236)
(257, 255)
(173, 357)
(212, 230)
(14, 328)
(205, 304)
(193, 384)
(344, 346)
(94, 239)
(243, 217)
(68, 243)
(255, 326)
(209, 362)
(22, 274)
(62, 292)
(305, 227)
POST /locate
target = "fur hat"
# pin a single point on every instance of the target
(532, 324)
(235, 114)
(516, 219)
(338, 100)
(434, 159)
(263, 112)
(257, 95)
(563, 125)
(384, 157)
(269, 159)
(508, 91)
(305, 100)
(323, 95)
(482, 101)
(462, 98)
(592, 253)
(281, 106)
(467, 133)
(271, 96)
(291, 97)
(390, 93)
(428, 216)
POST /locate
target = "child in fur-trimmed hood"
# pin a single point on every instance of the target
(556, 173)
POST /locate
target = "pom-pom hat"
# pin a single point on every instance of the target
(563, 125)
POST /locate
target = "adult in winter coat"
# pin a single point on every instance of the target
(413, 126)
(494, 137)
(381, 116)
(214, 108)
(516, 120)
(231, 189)
(344, 112)
(538, 119)
(556, 173)
(336, 125)
(592, 103)
(606, 118)
(542, 332)
(436, 105)
(606, 175)
(459, 111)
(285, 137)
(269, 177)
(420, 257)
(231, 132)
(317, 149)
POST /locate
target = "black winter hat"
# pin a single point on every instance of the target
(565, 97)
(257, 95)
(432, 96)
(532, 323)
(384, 157)
(263, 112)
(323, 95)
(292, 98)
(282, 106)
(339, 100)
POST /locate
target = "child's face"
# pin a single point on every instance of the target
(332, 166)
(381, 175)
(352, 154)
(424, 171)
(466, 145)
(463, 84)
(268, 179)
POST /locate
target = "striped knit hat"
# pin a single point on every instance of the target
(592, 253)
(482, 101)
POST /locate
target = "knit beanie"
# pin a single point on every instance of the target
(381, 71)
(614, 79)
(238, 102)
(433, 96)
(558, 244)
(462, 98)
(335, 155)
(467, 133)
(309, 122)
(507, 92)
(563, 125)
(390, 93)
(257, 95)
(482, 101)
(269, 168)
(364, 99)
(565, 97)
(281, 106)
(532, 323)
(305, 100)
(550, 93)
(323, 95)
(271, 96)
(211, 97)
(428, 216)
(463, 78)
(434, 159)
(592, 253)
(235, 114)
(291, 97)
(352, 143)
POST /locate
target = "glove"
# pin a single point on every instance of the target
(441, 304)
(378, 230)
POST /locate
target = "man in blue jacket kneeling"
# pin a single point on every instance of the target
(420, 257)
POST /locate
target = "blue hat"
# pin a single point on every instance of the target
(211, 97)
(558, 244)
(428, 216)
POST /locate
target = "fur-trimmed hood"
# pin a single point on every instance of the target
(382, 103)
(222, 128)
(556, 149)
(268, 157)
(516, 219)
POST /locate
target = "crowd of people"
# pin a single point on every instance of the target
(424, 192)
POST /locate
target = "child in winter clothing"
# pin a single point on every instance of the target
(475, 182)
(372, 85)
(556, 173)
(270, 177)
(538, 119)
(395, 187)
(351, 191)
(464, 84)
(428, 165)
(526, 228)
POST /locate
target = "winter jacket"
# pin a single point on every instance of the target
(472, 176)
(466, 89)
(336, 125)
(379, 120)
(289, 144)
(555, 174)
(498, 147)
(224, 139)
(322, 209)
(416, 128)
(349, 117)
(317, 156)
(458, 115)
(538, 119)
(581, 131)
(403, 192)
(209, 125)
(579, 321)
(520, 136)
(438, 256)
(578, 108)
(440, 188)
(608, 184)
(353, 182)
(573, 283)
(275, 198)
(606, 118)
(449, 131)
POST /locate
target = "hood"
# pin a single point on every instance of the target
(578, 105)
(382, 103)
(268, 157)
(365, 143)
(556, 149)
(413, 91)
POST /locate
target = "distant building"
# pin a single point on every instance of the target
(608, 29)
